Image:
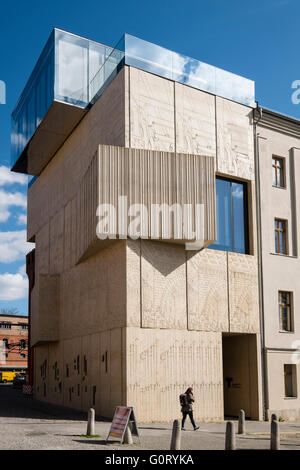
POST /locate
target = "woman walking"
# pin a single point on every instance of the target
(186, 401)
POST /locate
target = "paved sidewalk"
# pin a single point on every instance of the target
(26, 424)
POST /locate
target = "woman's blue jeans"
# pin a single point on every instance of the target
(184, 415)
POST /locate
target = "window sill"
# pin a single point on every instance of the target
(290, 398)
(286, 332)
(279, 187)
(283, 255)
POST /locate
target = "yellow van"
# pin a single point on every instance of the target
(7, 376)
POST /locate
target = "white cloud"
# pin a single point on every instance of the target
(22, 270)
(12, 199)
(22, 219)
(8, 200)
(237, 191)
(9, 177)
(4, 214)
(13, 286)
(13, 246)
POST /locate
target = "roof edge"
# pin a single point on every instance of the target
(277, 121)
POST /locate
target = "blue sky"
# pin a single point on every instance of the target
(257, 39)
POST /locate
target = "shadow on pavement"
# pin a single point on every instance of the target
(155, 429)
(13, 404)
(99, 442)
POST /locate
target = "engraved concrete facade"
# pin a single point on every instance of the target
(139, 321)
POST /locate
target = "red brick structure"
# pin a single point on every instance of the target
(13, 343)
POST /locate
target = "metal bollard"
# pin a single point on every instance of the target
(241, 426)
(275, 436)
(176, 435)
(274, 417)
(91, 423)
(230, 441)
(128, 436)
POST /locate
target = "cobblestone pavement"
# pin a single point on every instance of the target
(27, 424)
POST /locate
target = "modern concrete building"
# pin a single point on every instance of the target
(278, 156)
(136, 320)
(13, 343)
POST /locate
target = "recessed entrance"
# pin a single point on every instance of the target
(240, 375)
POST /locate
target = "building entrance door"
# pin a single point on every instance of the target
(240, 375)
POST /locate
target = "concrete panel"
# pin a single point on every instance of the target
(72, 352)
(34, 304)
(162, 365)
(151, 112)
(243, 293)
(127, 106)
(235, 148)
(41, 372)
(83, 372)
(207, 290)
(42, 248)
(103, 398)
(107, 116)
(117, 381)
(67, 261)
(93, 296)
(90, 370)
(133, 282)
(48, 307)
(163, 286)
(195, 121)
(45, 309)
(56, 253)
(56, 373)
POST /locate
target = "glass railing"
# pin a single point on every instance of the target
(106, 73)
(77, 61)
(180, 68)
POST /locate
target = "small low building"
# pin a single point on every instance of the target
(13, 343)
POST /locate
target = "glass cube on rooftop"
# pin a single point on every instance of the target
(71, 74)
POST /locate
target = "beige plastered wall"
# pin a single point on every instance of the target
(280, 272)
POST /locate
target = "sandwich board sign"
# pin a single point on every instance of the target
(123, 417)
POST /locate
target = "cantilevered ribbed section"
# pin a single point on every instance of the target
(145, 194)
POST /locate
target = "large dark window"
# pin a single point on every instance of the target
(232, 216)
